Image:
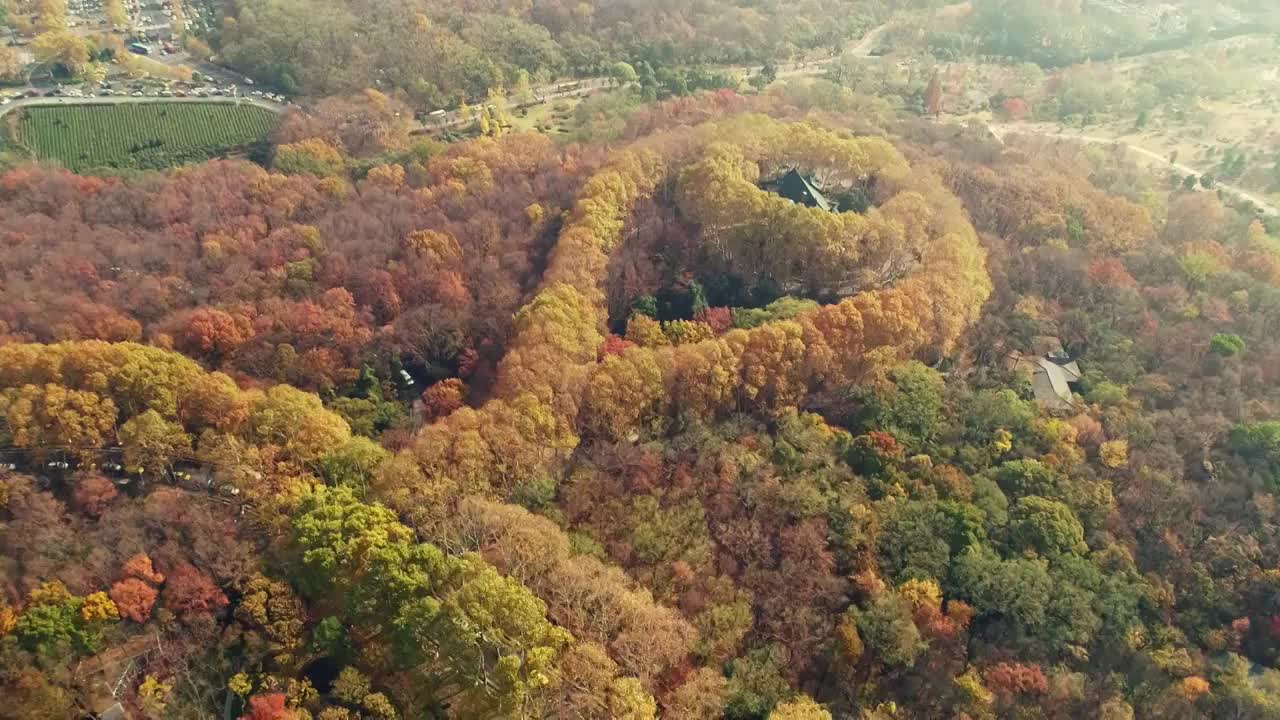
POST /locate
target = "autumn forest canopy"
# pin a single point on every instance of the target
(777, 401)
(443, 52)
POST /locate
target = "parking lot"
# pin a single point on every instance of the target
(152, 21)
(163, 68)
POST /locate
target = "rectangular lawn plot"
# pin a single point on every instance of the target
(144, 136)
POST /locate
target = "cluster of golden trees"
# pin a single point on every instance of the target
(159, 408)
(551, 390)
(514, 441)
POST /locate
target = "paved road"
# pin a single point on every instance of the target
(547, 93)
(130, 100)
(592, 85)
(1002, 129)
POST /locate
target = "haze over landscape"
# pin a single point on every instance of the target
(639, 359)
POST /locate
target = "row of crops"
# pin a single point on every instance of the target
(143, 136)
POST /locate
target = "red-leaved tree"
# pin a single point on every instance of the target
(139, 566)
(134, 599)
(93, 494)
(443, 398)
(191, 591)
(266, 707)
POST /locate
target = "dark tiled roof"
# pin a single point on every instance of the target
(796, 188)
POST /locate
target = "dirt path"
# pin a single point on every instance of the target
(1000, 130)
(868, 42)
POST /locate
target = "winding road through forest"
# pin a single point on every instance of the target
(863, 47)
(590, 85)
(573, 87)
(1000, 130)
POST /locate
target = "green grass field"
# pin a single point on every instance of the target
(143, 136)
